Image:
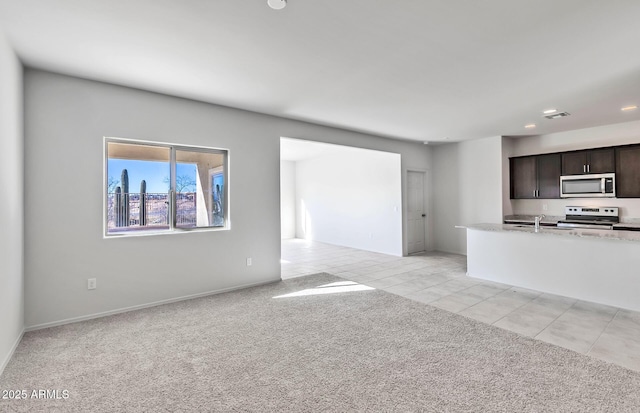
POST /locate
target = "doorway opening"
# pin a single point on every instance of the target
(341, 195)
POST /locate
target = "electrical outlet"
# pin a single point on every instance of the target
(371, 235)
(545, 207)
(249, 262)
(91, 284)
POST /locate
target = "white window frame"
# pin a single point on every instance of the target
(173, 147)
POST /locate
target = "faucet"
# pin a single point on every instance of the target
(537, 221)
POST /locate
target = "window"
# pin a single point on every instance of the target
(159, 187)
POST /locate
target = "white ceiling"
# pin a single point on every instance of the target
(408, 69)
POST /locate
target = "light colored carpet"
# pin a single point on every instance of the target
(344, 351)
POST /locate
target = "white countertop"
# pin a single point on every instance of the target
(633, 236)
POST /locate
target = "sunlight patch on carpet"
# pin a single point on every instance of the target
(332, 288)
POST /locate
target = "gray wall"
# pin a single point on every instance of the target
(287, 199)
(11, 207)
(66, 119)
(351, 197)
(468, 188)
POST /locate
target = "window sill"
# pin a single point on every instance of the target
(150, 233)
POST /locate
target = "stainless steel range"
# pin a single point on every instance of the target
(590, 217)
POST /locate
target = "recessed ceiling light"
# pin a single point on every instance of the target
(426, 142)
(546, 112)
(530, 125)
(277, 4)
(628, 108)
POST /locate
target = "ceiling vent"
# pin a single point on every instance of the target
(557, 115)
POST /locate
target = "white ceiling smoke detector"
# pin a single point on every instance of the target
(277, 4)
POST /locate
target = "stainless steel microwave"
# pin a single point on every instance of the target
(588, 186)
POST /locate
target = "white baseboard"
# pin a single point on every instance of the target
(10, 355)
(141, 306)
(449, 251)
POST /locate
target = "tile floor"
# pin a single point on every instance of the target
(439, 279)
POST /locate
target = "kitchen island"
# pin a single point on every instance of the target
(601, 266)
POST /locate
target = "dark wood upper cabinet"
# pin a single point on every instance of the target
(523, 177)
(574, 163)
(595, 161)
(628, 171)
(601, 161)
(536, 177)
(549, 171)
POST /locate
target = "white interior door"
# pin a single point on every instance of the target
(415, 212)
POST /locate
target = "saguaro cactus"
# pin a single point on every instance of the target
(124, 179)
(117, 207)
(143, 202)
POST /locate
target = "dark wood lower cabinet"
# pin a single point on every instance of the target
(628, 171)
